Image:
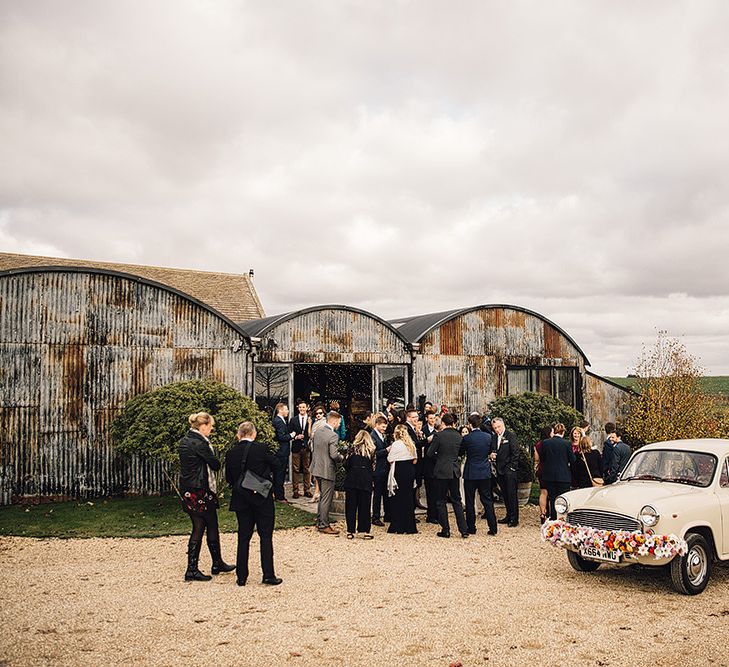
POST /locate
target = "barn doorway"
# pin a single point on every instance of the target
(350, 384)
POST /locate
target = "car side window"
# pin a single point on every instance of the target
(724, 477)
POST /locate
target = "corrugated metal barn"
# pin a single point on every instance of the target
(75, 345)
(326, 353)
(467, 357)
(77, 342)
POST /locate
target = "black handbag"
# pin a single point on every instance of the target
(250, 481)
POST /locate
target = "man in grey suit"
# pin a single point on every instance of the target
(326, 454)
(444, 448)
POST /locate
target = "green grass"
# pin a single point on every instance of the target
(716, 385)
(123, 517)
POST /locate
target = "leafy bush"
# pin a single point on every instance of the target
(526, 414)
(341, 473)
(525, 466)
(152, 424)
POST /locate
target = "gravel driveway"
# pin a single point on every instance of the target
(398, 599)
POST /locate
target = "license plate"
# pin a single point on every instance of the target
(600, 554)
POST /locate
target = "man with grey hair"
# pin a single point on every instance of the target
(326, 455)
(506, 457)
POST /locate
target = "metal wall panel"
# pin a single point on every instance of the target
(333, 336)
(74, 347)
(604, 402)
(462, 363)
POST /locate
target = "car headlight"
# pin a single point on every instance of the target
(561, 505)
(649, 516)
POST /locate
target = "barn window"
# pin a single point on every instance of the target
(391, 383)
(272, 386)
(558, 382)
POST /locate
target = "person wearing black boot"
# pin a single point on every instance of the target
(253, 509)
(198, 464)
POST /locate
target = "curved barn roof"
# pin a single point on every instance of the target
(259, 328)
(414, 329)
(133, 278)
(229, 293)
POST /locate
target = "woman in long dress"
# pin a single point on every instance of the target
(401, 482)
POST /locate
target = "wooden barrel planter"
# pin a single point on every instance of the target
(523, 491)
(337, 510)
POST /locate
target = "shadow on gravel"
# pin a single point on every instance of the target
(638, 579)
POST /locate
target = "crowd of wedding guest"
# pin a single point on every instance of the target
(396, 460)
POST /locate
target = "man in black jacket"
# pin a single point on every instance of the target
(445, 448)
(283, 438)
(252, 509)
(428, 465)
(619, 459)
(507, 461)
(380, 498)
(300, 425)
(557, 458)
(416, 435)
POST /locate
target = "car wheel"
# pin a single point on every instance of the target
(690, 573)
(581, 564)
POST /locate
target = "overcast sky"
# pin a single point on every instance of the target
(401, 157)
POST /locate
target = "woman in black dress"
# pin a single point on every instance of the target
(359, 464)
(198, 464)
(401, 482)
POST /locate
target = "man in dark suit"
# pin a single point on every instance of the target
(428, 465)
(478, 446)
(557, 458)
(283, 438)
(252, 509)
(620, 457)
(445, 448)
(507, 459)
(416, 435)
(380, 498)
(300, 426)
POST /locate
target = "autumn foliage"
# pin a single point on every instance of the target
(670, 404)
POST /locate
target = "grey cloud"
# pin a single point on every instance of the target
(404, 157)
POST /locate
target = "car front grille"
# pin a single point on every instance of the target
(603, 520)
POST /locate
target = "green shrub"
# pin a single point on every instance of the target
(341, 473)
(526, 414)
(525, 466)
(152, 424)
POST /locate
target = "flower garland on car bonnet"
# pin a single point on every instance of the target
(562, 534)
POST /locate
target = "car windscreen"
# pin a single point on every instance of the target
(671, 465)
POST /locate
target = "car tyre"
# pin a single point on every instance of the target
(581, 564)
(690, 573)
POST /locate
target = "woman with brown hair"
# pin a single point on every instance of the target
(587, 469)
(359, 464)
(401, 482)
(198, 464)
(575, 437)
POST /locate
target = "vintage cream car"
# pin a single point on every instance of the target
(670, 508)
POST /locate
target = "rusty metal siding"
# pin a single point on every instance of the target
(604, 402)
(74, 347)
(462, 363)
(333, 336)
